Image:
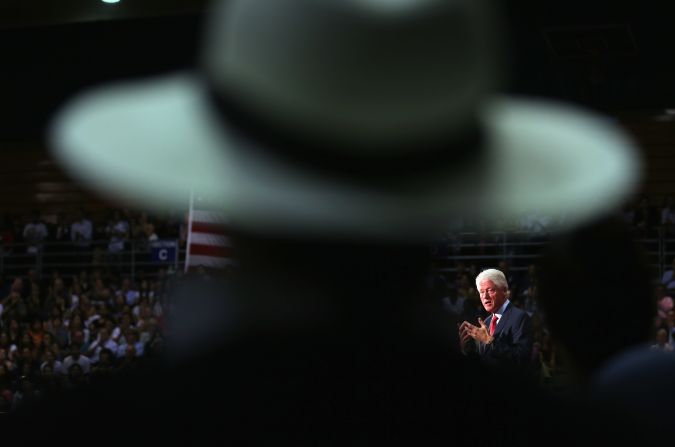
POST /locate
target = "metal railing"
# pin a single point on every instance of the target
(68, 259)
(520, 249)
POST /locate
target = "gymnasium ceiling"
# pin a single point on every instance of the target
(618, 59)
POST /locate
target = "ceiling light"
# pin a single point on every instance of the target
(110, 1)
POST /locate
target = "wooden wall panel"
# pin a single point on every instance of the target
(31, 179)
(656, 139)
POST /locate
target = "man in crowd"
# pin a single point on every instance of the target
(81, 231)
(34, 233)
(506, 336)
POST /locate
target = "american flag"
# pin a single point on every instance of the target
(208, 243)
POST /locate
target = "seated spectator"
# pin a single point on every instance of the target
(78, 333)
(668, 278)
(49, 359)
(104, 340)
(26, 340)
(530, 278)
(83, 280)
(528, 298)
(511, 277)
(80, 338)
(662, 343)
(4, 340)
(50, 383)
(56, 297)
(646, 217)
(75, 377)
(129, 359)
(26, 395)
(119, 306)
(464, 286)
(129, 292)
(14, 332)
(7, 234)
(6, 394)
(535, 223)
(452, 303)
(90, 311)
(49, 343)
(77, 357)
(33, 279)
(145, 291)
(58, 229)
(130, 339)
(59, 332)
(664, 304)
(5, 360)
(14, 308)
(544, 359)
(138, 224)
(158, 308)
(106, 314)
(473, 308)
(159, 287)
(143, 310)
(628, 213)
(99, 288)
(670, 326)
(118, 232)
(123, 326)
(34, 233)
(150, 233)
(27, 363)
(19, 286)
(105, 364)
(81, 231)
(668, 214)
(101, 297)
(34, 310)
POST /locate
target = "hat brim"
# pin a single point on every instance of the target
(155, 141)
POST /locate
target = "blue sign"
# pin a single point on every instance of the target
(163, 251)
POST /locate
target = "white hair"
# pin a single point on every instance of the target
(494, 275)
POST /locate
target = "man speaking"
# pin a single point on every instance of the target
(505, 337)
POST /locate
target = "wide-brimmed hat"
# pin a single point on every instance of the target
(348, 117)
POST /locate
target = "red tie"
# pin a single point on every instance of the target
(493, 324)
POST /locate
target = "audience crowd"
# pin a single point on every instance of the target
(116, 227)
(59, 331)
(111, 231)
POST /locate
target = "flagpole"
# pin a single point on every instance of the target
(189, 235)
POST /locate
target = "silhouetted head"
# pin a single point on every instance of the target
(595, 293)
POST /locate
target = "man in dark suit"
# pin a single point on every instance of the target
(505, 337)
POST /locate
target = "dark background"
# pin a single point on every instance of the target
(618, 61)
(614, 59)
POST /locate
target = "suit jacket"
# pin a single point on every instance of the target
(513, 338)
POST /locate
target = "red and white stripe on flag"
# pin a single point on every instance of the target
(208, 243)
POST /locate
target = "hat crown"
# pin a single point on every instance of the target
(366, 71)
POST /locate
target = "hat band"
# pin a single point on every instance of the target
(391, 165)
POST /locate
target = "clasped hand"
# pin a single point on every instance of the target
(468, 331)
